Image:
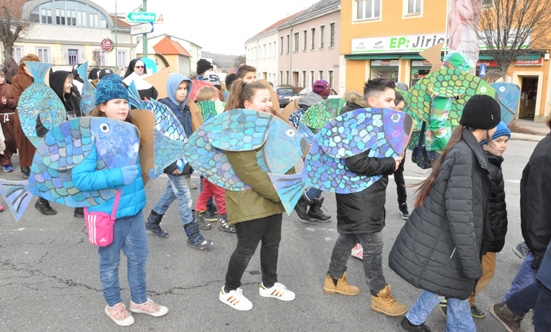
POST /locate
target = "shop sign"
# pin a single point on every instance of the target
(420, 63)
(529, 62)
(408, 43)
(107, 45)
(487, 64)
(386, 63)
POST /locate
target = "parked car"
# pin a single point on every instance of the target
(305, 91)
(284, 95)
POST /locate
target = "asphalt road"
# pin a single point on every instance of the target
(49, 272)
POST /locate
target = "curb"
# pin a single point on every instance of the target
(526, 137)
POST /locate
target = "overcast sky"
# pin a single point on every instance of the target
(219, 26)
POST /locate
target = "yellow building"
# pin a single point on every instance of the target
(383, 39)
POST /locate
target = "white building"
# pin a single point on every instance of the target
(193, 49)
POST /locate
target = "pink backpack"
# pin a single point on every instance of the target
(100, 224)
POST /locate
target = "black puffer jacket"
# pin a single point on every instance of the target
(440, 248)
(498, 208)
(535, 190)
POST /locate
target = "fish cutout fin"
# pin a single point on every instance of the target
(308, 135)
(38, 70)
(166, 151)
(18, 196)
(508, 96)
(289, 188)
(88, 96)
(134, 96)
(240, 130)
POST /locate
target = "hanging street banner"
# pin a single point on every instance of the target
(142, 17)
(140, 29)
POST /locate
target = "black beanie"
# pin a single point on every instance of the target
(481, 112)
(203, 65)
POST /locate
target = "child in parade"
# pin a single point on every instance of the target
(129, 231)
(441, 246)
(361, 217)
(7, 115)
(177, 87)
(256, 213)
(209, 189)
(205, 73)
(246, 73)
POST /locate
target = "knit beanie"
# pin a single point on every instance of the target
(203, 65)
(321, 87)
(481, 112)
(501, 130)
(110, 87)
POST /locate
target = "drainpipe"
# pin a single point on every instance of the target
(290, 52)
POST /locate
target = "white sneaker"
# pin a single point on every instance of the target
(279, 291)
(119, 314)
(358, 251)
(235, 299)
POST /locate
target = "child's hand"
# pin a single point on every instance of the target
(129, 173)
(176, 172)
(398, 162)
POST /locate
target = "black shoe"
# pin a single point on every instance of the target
(44, 207)
(477, 313)
(153, 224)
(404, 211)
(201, 220)
(79, 213)
(506, 317)
(443, 306)
(211, 213)
(224, 226)
(302, 207)
(26, 171)
(315, 212)
(195, 239)
(406, 325)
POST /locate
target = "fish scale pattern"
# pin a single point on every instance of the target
(508, 96)
(446, 83)
(39, 101)
(211, 108)
(240, 130)
(322, 112)
(88, 95)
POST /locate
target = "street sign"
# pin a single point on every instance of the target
(142, 17)
(139, 29)
(107, 45)
(482, 69)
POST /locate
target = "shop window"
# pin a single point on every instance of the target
(384, 68)
(332, 35)
(368, 9)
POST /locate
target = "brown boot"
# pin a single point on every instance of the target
(342, 286)
(387, 304)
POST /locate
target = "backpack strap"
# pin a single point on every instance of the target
(116, 204)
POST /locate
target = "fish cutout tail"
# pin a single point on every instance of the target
(82, 70)
(289, 188)
(134, 96)
(308, 135)
(38, 70)
(18, 196)
(165, 152)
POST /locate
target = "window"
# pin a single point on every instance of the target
(17, 54)
(101, 58)
(43, 54)
(71, 13)
(304, 78)
(332, 35)
(288, 77)
(414, 7)
(305, 40)
(281, 77)
(122, 58)
(265, 53)
(313, 38)
(72, 57)
(288, 43)
(312, 77)
(368, 9)
(321, 75)
(322, 36)
(296, 41)
(330, 78)
(281, 42)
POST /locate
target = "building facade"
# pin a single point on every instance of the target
(190, 48)
(384, 38)
(308, 46)
(66, 33)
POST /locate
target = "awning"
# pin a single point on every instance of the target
(485, 57)
(412, 57)
(372, 57)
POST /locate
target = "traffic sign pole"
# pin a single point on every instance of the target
(144, 40)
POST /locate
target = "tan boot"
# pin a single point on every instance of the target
(387, 304)
(342, 286)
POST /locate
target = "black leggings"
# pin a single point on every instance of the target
(249, 233)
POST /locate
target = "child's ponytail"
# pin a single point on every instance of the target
(234, 98)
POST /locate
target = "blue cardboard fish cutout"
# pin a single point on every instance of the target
(39, 103)
(88, 95)
(169, 135)
(508, 96)
(242, 130)
(382, 131)
(211, 108)
(63, 147)
(322, 112)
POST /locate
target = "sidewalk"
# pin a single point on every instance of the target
(528, 130)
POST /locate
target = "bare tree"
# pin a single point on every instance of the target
(12, 26)
(239, 60)
(96, 58)
(510, 28)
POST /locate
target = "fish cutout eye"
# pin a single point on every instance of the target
(104, 127)
(483, 89)
(502, 89)
(290, 132)
(395, 117)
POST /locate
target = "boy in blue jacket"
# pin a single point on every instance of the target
(177, 87)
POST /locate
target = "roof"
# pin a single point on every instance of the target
(120, 23)
(320, 8)
(170, 47)
(276, 24)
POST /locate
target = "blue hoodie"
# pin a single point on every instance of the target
(180, 110)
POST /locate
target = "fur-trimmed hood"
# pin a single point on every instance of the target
(354, 97)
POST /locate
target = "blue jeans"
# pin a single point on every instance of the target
(176, 188)
(526, 276)
(313, 193)
(459, 312)
(535, 296)
(128, 235)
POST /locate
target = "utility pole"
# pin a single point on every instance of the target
(144, 40)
